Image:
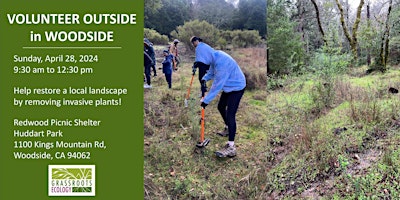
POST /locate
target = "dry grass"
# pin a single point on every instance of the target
(254, 66)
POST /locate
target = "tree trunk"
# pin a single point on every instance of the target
(355, 27)
(353, 38)
(266, 39)
(347, 13)
(387, 35)
(384, 51)
(380, 65)
(319, 21)
(369, 26)
(300, 27)
(344, 27)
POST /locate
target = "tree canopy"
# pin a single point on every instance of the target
(363, 29)
(166, 15)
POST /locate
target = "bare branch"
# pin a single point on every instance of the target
(319, 21)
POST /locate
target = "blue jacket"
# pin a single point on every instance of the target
(167, 64)
(204, 53)
(225, 72)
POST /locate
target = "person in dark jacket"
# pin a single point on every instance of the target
(147, 65)
(148, 47)
(167, 67)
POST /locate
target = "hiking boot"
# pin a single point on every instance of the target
(227, 151)
(224, 133)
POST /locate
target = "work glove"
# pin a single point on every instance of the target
(203, 105)
(195, 64)
(194, 70)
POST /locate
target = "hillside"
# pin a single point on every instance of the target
(308, 139)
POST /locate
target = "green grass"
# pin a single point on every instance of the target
(377, 79)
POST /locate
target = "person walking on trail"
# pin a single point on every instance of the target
(203, 59)
(148, 47)
(147, 65)
(167, 67)
(173, 49)
(228, 77)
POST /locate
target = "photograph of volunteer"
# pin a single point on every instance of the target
(228, 77)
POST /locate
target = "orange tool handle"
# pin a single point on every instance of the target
(188, 93)
(202, 126)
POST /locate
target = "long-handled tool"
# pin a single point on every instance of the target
(203, 142)
(188, 92)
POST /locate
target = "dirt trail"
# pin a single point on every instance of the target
(360, 166)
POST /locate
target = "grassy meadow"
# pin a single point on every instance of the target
(307, 139)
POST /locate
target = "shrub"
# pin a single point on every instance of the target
(285, 47)
(275, 82)
(246, 38)
(242, 39)
(327, 64)
(330, 62)
(222, 43)
(323, 94)
(227, 35)
(155, 37)
(208, 32)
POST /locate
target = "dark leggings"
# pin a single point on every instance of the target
(168, 77)
(147, 73)
(154, 69)
(228, 106)
(202, 71)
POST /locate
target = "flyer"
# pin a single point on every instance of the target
(72, 99)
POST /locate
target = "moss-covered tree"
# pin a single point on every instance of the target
(353, 37)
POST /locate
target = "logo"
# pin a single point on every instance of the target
(71, 180)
